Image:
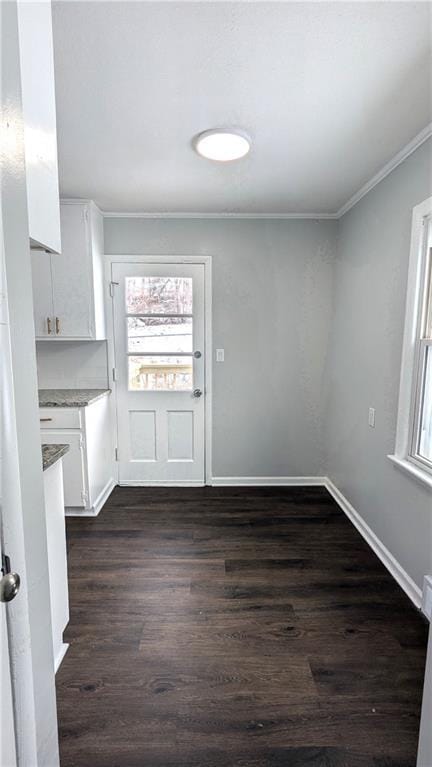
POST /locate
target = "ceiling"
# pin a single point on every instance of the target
(329, 92)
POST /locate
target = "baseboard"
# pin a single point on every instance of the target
(162, 483)
(427, 597)
(103, 496)
(60, 655)
(267, 481)
(92, 511)
(393, 566)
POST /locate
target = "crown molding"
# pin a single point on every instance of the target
(386, 169)
(269, 216)
(398, 158)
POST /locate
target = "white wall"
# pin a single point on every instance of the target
(364, 364)
(271, 314)
(72, 364)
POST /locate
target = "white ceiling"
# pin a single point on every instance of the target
(328, 91)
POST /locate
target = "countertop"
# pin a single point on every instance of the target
(52, 453)
(70, 397)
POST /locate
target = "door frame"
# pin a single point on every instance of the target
(206, 261)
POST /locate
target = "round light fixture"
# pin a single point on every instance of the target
(222, 145)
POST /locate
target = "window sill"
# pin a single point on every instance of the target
(410, 468)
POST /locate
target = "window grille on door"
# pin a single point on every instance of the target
(159, 326)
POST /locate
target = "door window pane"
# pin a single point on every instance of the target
(160, 373)
(159, 334)
(425, 449)
(159, 295)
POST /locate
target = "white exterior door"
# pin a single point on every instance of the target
(159, 333)
(7, 726)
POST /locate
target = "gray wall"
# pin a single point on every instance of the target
(364, 364)
(271, 314)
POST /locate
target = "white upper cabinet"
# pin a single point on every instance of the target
(68, 289)
(40, 132)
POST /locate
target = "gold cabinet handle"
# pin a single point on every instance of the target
(57, 325)
(49, 325)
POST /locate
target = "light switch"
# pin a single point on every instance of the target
(220, 355)
(372, 417)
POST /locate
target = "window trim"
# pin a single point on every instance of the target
(413, 351)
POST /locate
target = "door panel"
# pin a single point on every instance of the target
(159, 322)
(180, 426)
(142, 425)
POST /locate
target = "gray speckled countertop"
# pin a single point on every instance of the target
(70, 397)
(52, 453)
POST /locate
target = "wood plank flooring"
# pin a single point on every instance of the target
(235, 627)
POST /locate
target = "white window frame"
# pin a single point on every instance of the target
(414, 350)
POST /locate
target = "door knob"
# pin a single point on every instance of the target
(197, 355)
(9, 583)
(197, 393)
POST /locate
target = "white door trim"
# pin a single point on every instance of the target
(148, 259)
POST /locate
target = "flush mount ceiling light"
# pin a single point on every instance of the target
(222, 145)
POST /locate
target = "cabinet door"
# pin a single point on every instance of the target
(42, 294)
(71, 275)
(39, 112)
(74, 475)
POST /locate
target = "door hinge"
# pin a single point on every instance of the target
(116, 453)
(114, 374)
(81, 441)
(111, 287)
(84, 496)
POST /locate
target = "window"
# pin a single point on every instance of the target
(422, 423)
(159, 327)
(414, 429)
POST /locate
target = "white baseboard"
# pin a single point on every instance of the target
(267, 481)
(393, 566)
(92, 511)
(427, 597)
(103, 496)
(60, 655)
(162, 483)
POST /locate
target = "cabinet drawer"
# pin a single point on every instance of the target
(60, 418)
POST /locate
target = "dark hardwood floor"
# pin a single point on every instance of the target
(235, 627)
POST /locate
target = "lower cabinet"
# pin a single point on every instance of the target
(88, 467)
(74, 474)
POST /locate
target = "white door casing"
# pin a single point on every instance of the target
(7, 728)
(7, 719)
(160, 423)
(22, 508)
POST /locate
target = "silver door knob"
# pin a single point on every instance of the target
(9, 587)
(197, 393)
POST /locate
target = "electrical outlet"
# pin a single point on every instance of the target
(220, 355)
(371, 419)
